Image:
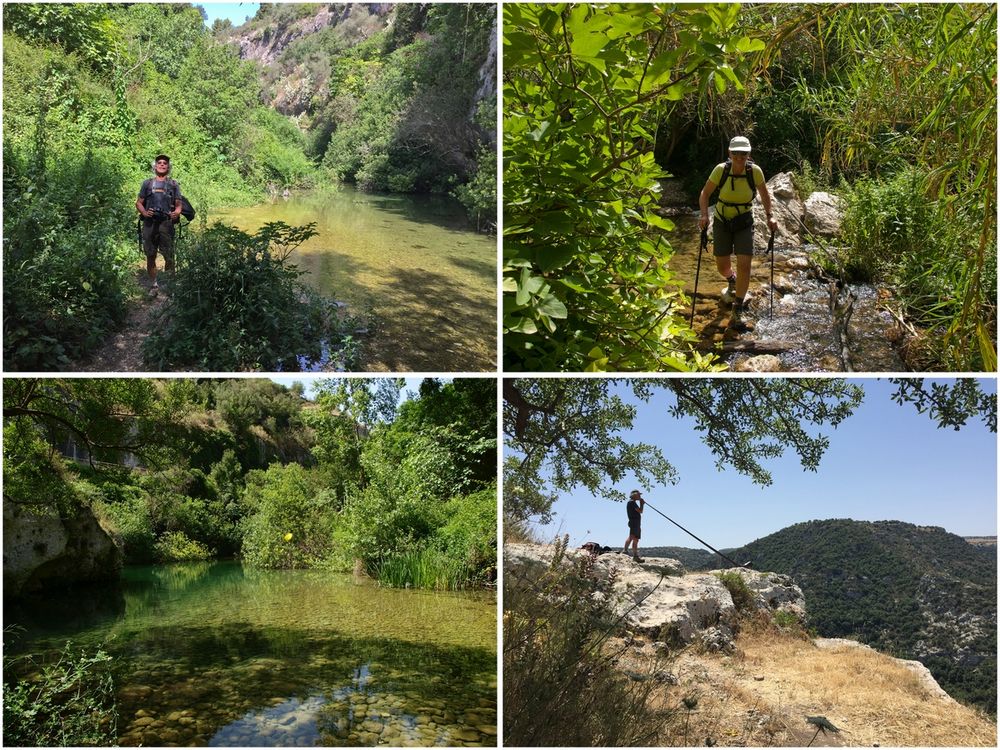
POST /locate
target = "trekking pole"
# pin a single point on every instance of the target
(770, 249)
(697, 273)
(724, 557)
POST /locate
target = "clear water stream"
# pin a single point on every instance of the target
(413, 260)
(815, 326)
(214, 654)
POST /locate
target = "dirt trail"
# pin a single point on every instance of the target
(122, 351)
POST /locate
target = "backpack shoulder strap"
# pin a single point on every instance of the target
(750, 179)
(726, 169)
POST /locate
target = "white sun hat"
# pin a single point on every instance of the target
(740, 143)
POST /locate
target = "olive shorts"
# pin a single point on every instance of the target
(158, 235)
(739, 242)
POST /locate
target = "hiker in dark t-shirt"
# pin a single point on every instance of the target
(159, 203)
(634, 509)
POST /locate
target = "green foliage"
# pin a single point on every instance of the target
(896, 234)
(426, 568)
(65, 702)
(174, 546)
(743, 599)
(469, 537)
(479, 194)
(937, 112)
(131, 521)
(65, 256)
(411, 489)
(289, 523)
(236, 304)
(587, 285)
(82, 29)
(561, 687)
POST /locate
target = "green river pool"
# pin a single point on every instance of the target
(213, 654)
(412, 260)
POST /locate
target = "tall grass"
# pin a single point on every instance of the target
(918, 246)
(424, 569)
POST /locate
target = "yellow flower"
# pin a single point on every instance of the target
(288, 537)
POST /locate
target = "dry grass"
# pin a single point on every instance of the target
(871, 698)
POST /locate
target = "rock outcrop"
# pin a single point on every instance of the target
(43, 551)
(818, 215)
(659, 599)
(265, 44)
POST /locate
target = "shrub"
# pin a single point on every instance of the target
(470, 534)
(69, 702)
(66, 256)
(743, 598)
(290, 524)
(174, 546)
(237, 305)
(131, 522)
(562, 684)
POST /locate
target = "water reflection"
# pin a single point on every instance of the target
(208, 653)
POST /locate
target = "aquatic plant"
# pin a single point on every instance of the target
(68, 702)
(423, 569)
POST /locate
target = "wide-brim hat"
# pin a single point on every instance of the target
(740, 144)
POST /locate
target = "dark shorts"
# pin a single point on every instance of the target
(634, 530)
(158, 235)
(739, 242)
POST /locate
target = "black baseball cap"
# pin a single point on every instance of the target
(164, 157)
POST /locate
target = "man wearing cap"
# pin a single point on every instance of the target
(732, 229)
(634, 509)
(159, 203)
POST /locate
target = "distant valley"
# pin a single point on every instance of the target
(916, 592)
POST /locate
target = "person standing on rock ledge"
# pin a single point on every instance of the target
(732, 229)
(634, 509)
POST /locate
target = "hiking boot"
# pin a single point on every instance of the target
(736, 321)
(638, 559)
(729, 293)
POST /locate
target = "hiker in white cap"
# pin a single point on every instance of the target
(738, 179)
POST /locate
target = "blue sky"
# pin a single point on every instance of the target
(411, 387)
(886, 462)
(235, 12)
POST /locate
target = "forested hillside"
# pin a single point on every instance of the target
(251, 469)
(916, 592)
(93, 92)
(397, 98)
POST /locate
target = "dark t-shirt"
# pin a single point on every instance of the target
(634, 516)
(160, 195)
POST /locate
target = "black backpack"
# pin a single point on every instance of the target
(187, 210)
(748, 175)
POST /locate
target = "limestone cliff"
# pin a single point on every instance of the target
(42, 550)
